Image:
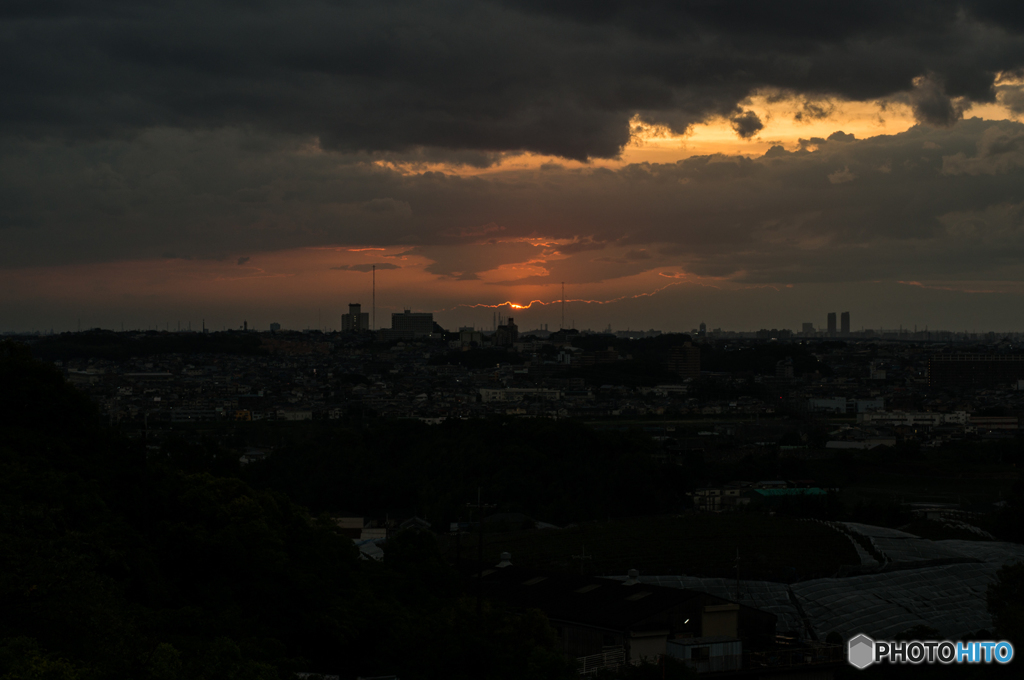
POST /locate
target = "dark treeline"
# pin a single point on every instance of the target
(116, 565)
(478, 358)
(760, 358)
(102, 344)
(654, 348)
(646, 365)
(553, 471)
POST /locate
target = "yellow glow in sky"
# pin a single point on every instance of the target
(786, 119)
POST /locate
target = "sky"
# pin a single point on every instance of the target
(744, 164)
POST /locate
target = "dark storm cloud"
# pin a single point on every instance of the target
(365, 267)
(926, 204)
(840, 136)
(746, 124)
(421, 80)
(465, 262)
(932, 105)
(243, 260)
(815, 110)
(1000, 150)
(1013, 99)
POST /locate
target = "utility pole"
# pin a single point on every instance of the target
(373, 324)
(480, 506)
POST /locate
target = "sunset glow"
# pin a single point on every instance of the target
(809, 170)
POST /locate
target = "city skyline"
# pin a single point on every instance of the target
(806, 329)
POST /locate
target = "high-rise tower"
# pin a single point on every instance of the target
(356, 320)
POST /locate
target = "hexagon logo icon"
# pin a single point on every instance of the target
(860, 651)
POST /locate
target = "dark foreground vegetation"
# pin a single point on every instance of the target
(101, 344)
(556, 472)
(113, 565)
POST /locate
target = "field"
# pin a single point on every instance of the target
(772, 548)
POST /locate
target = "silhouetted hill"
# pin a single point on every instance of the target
(114, 565)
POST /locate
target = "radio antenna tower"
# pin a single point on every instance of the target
(373, 324)
(563, 304)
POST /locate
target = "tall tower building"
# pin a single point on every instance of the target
(844, 321)
(831, 324)
(356, 320)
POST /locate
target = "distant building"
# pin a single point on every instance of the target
(274, 327)
(294, 414)
(717, 499)
(356, 320)
(831, 404)
(844, 328)
(773, 334)
(913, 419)
(563, 336)
(844, 405)
(408, 325)
(469, 336)
(684, 360)
(831, 324)
(417, 323)
(995, 422)
(596, 357)
(518, 394)
(975, 370)
(507, 334)
(808, 328)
